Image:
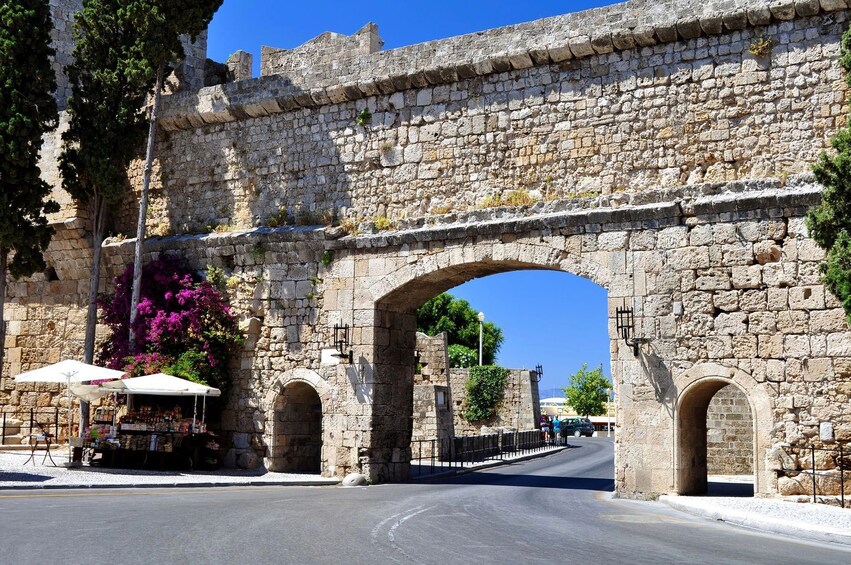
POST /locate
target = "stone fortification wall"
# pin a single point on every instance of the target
(327, 51)
(670, 107)
(519, 408)
(432, 396)
(648, 146)
(432, 420)
(433, 359)
(729, 433)
(62, 13)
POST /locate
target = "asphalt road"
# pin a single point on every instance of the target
(551, 510)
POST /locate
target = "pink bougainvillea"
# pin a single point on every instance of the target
(183, 325)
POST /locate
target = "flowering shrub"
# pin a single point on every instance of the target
(183, 325)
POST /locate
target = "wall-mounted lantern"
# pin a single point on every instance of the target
(626, 329)
(341, 343)
(539, 372)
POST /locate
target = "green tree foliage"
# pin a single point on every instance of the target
(27, 112)
(119, 46)
(445, 313)
(178, 18)
(829, 222)
(586, 392)
(462, 356)
(485, 388)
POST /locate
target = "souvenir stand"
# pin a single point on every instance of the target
(151, 437)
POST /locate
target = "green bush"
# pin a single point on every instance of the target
(461, 356)
(484, 392)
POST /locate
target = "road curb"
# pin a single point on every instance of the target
(308, 483)
(113, 486)
(755, 521)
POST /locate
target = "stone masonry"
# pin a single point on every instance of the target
(729, 433)
(653, 153)
(519, 409)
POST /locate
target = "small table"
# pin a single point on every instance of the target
(48, 440)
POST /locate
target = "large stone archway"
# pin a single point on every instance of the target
(697, 387)
(395, 297)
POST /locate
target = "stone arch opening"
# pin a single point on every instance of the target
(729, 435)
(394, 334)
(298, 430)
(704, 439)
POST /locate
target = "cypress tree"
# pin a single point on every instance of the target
(121, 47)
(27, 112)
(829, 222)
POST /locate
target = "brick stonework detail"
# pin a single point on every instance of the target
(729, 433)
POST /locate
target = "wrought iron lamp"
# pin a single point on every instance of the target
(341, 343)
(539, 372)
(626, 329)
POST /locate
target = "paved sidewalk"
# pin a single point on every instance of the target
(796, 520)
(14, 474)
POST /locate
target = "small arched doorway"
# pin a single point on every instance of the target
(298, 430)
(716, 434)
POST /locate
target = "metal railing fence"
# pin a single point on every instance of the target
(429, 455)
(828, 472)
(34, 420)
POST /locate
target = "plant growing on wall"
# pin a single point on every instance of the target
(761, 46)
(184, 325)
(445, 313)
(363, 118)
(586, 392)
(27, 112)
(829, 222)
(461, 356)
(484, 388)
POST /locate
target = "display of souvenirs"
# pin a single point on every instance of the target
(149, 430)
(155, 420)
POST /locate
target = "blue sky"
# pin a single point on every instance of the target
(555, 319)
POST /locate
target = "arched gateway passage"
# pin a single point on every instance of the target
(296, 408)
(298, 430)
(698, 388)
(395, 343)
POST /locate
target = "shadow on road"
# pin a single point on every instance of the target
(534, 481)
(11, 477)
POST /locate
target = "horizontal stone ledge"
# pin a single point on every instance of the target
(640, 217)
(550, 41)
(798, 197)
(239, 237)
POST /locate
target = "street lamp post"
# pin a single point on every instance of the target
(608, 413)
(481, 324)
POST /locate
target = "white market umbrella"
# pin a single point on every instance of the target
(158, 384)
(67, 372)
(162, 385)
